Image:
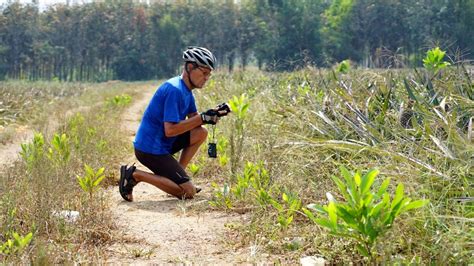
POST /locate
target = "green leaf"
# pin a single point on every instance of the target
(375, 211)
(367, 180)
(324, 222)
(357, 179)
(372, 232)
(82, 183)
(409, 90)
(383, 187)
(415, 205)
(100, 171)
(345, 215)
(398, 195)
(342, 188)
(98, 180)
(362, 250)
(89, 170)
(332, 214)
(276, 204)
(309, 214)
(317, 208)
(284, 197)
(347, 175)
(368, 199)
(295, 204)
(396, 210)
(351, 185)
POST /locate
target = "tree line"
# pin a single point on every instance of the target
(122, 40)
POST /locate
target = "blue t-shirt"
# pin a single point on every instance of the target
(172, 102)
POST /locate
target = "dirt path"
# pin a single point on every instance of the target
(10, 152)
(167, 230)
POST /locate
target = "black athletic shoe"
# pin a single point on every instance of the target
(127, 182)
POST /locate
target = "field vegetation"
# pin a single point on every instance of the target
(52, 207)
(348, 164)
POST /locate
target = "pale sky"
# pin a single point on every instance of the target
(42, 3)
(45, 3)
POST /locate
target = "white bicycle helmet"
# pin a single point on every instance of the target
(200, 56)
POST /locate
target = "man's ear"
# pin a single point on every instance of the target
(190, 66)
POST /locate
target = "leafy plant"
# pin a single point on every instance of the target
(17, 244)
(119, 100)
(434, 60)
(223, 160)
(221, 197)
(343, 67)
(90, 182)
(366, 215)
(239, 106)
(254, 175)
(433, 63)
(194, 168)
(286, 210)
(251, 182)
(59, 152)
(33, 152)
(222, 144)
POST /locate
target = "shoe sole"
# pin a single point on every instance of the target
(123, 170)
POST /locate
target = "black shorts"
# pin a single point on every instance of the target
(166, 165)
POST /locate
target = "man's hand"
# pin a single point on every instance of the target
(223, 109)
(211, 116)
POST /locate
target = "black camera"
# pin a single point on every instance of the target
(223, 109)
(212, 150)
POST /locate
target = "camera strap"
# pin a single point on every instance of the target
(213, 134)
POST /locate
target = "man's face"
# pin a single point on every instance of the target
(200, 75)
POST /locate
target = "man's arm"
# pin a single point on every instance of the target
(174, 129)
(192, 114)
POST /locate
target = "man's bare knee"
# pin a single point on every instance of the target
(200, 134)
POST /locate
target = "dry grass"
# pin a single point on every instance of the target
(34, 191)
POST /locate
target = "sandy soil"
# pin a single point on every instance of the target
(10, 151)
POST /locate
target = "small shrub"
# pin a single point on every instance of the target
(59, 152)
(434, 60)
(239, 106)
(343, 67)
(247, 188)
(119, 100)
(222, 144)
(31, 153)
(365, 216)
(221, 197)
(90, 182)
(16, 244)
(286, 210)
(194, 168)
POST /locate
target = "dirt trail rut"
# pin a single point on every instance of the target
(10, 152)
(168, 231)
